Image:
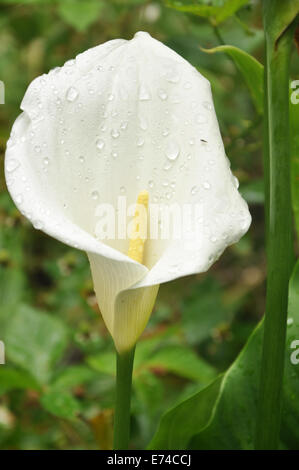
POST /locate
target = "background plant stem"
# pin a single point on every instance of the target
(279, 232)
(124, 369)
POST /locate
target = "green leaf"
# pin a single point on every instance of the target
(282, 15)
(60, 403)
(290, 416)
(250, 68)
(103, 362)
(226, 418)
(182, 422)
(35, 341)
(13, 379)
(183, 362)
(216, 10)
(294, 127)
(80, 14)
(73, 376)
(203, 311)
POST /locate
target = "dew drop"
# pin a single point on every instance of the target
(81, 159)
(144, 93)
(114, 133)
(194, 190)
(38, 224)
(201, 118)
(12, 165)
(19, 199)
(143, 124)
(46, 161)
(172, 150)
(95, 195)
(100, 144)
(207, 105)
(151, 183)
(140, 142)
(206, 185)
(37, 149)
(165, 133)
(124, 125)
(236, 182)
(162, 94)
(72, 94)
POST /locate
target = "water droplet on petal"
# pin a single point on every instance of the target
(236, 182)
(140, 142)
(12, 165)
(194, 190)
(165, 133)
(207, 105)
(144, 93)
(114, 133)
(38, 224)
(206, 185)
(143, 124)
(162, 94)
(95, 195)
(19, 199)
(72, 94)
(100, 144)
(124, 125)
(201, 118)
(151, 183)
(172, 150)
(46, 161)
(81, 159)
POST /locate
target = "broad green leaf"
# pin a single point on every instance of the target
(80, 14)
(203, 311)
(250, 68)
(35, 340)
(182, 422)
(103, 362)
(229, 415)
(290, 417)
(216, 10)
(73, 376)
(282, 15)
(13, 379)
(60, 403)
(183, 362)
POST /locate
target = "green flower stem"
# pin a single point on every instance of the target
(279, 231)
(124, 369)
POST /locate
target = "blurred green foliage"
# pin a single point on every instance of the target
(57, 387)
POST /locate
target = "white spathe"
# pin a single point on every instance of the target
(123, 117)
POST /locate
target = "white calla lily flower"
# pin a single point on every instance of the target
(122, 118)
